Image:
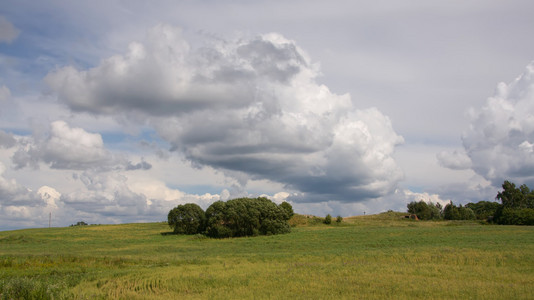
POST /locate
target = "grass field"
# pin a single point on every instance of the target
(371, 257)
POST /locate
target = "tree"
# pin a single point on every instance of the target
(513, 197)
(288, 209)
(517, 205)
(215, 220)
(466, 213)
(187, 219)
(339, 219)
(80, 223)
(328, 219)
(453, 212)
(425, 211)
(247, 217)
(483, 209)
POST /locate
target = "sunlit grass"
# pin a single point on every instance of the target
(368, 257)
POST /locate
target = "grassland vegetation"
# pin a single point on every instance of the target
(367, 257)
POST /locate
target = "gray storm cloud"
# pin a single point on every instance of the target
(250, 106)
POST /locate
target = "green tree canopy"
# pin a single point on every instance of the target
(483, 209)
(425, 211)
(247, 217)
(517, 205)
(453, 212)
(513, 197)
(187, 219)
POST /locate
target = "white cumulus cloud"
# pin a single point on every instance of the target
(66, 147)
(250, 107)
(499, 141)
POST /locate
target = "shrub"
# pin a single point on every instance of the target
(328, 219)
(339, 219)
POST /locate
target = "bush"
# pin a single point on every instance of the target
(339, 219)
(187, 219)
(328, 219)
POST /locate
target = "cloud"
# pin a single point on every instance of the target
(69, 148)
(500, 138)
(13, 194)
(8, 32)
(250, 107)
(5, 93)
(6, 140)
(456, 160)
(143, 165)
(65, 148)
(107, 195)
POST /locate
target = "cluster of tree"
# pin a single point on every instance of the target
(483, 210)
(234, 218)
(516, 208)
(517, 205)
(424, 210)
(453, 212)
(81, 223)
(431, 211)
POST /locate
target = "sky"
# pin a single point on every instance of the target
(117, 111)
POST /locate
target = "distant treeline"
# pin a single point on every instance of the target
(516, 207)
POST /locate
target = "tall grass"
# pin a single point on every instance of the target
(371, 257)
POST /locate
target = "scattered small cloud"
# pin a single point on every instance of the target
(8, 32)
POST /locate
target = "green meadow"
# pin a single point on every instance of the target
(370, 257)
